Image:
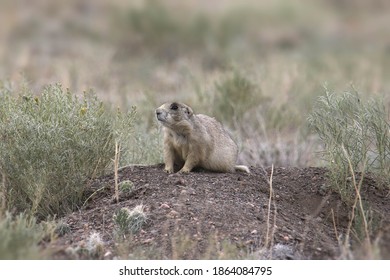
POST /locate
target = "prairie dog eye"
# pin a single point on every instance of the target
(174, 106)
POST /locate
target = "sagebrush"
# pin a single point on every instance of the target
(51, 143)
(355, 136)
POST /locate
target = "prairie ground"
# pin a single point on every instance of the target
(222, 216)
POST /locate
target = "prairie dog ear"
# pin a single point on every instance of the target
(189, 112)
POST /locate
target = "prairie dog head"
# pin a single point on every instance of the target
(176, 116)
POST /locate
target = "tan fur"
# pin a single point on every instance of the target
(196, 140)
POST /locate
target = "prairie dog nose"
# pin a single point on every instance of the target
(160, 114)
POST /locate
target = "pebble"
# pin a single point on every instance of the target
(173, 214)
(165, 206)
(146, 241)
(180, 182)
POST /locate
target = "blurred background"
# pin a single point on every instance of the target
(257, 66)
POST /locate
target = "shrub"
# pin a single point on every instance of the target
(51, 144)
(234, 96)
(352, 130)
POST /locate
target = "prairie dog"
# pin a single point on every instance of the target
(196, 140)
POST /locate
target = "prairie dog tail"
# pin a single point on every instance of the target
(242, 168)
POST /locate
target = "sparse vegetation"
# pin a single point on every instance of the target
(130, 221)
(62, 228)
(356, 139)
(126, 186)
(95, 246)
(355, 135)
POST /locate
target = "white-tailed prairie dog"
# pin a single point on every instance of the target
(196, 140)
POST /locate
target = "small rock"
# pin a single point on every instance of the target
(191, 191)
(298, 238)
(180, 182)
(173, 214)
(254, 232)
(165, 206)
(107, 255)
(146, 241)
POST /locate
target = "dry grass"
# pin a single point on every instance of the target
(269, 237)
(116, 167)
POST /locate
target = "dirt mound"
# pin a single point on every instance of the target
(208, 215)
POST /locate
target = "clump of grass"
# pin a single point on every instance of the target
(20, 237)
(130, 221)
(235, 95)
(51, 144)
(62, 228)
(126, 186)
(355, 135)
(95, 246)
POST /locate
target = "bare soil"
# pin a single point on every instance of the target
(205, 215)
